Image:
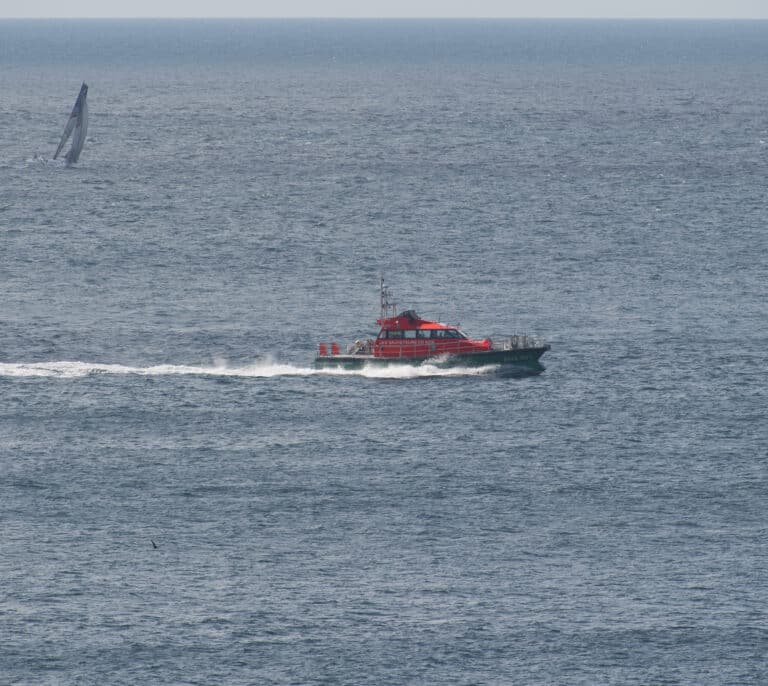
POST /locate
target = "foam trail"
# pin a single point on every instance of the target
(406, 371)
(71, 370)
(261, 369)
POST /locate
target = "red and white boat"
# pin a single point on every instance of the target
(406, 338)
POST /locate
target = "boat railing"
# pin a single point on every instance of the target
(360, 347)
(519, 342)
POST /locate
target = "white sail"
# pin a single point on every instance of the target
(77, 124)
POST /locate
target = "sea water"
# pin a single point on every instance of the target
(185, 500)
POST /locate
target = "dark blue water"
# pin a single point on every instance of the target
(242, 187)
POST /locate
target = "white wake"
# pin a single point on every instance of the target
(260, 369)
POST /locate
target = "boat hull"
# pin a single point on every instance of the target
(526, 360)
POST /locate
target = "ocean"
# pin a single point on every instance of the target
(184, 499)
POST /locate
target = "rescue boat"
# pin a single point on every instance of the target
(406, 338)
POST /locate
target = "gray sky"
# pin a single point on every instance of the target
(757, 9)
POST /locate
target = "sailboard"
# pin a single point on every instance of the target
(77, 127)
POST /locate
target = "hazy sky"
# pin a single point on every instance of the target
(387, 8)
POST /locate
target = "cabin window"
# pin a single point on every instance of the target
(410, 333)
(394, 334)
(452, 333)
(422, 334)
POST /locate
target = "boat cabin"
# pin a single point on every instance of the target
(408, 335)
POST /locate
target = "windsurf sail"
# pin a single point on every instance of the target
(77, 126)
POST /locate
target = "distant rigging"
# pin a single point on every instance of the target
(77, 127)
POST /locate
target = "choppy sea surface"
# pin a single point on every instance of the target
(185, 500)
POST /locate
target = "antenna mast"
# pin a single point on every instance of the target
(387, 308)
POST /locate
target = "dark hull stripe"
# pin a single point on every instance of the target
(529, 357)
